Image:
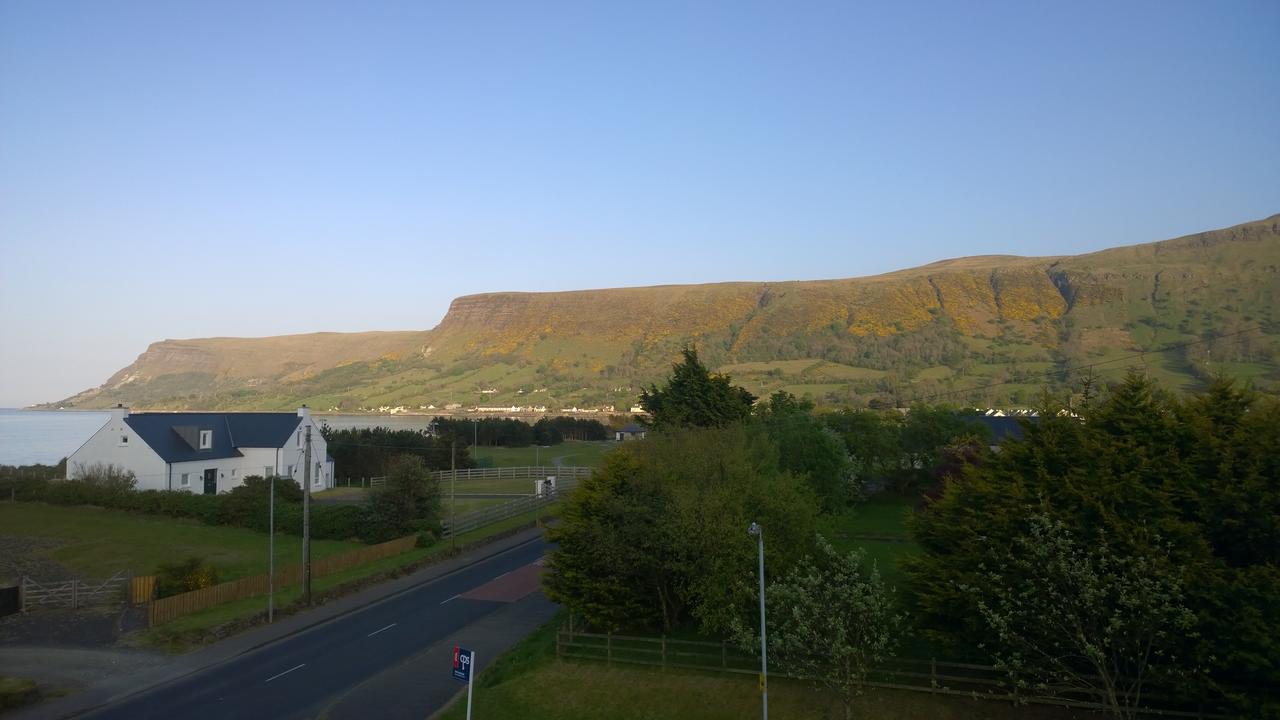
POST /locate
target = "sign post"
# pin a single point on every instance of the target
(463, 660)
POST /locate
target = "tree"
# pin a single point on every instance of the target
(408, 502)
(1201, 474)
(809, 448)
(654, 539)
(1068, 612)
(873, 440)
(831, 620)
(695, 397)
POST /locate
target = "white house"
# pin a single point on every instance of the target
(206, 452)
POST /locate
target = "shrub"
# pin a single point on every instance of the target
(191, 574)
(336, 522)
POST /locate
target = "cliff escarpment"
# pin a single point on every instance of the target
(1187, 307)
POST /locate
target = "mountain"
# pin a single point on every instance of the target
(976, 330)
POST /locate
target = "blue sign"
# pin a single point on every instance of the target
(461, 664)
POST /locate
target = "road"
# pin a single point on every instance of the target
(305, 675)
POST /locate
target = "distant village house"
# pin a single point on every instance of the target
(631, 431)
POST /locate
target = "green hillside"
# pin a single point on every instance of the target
(1183, 308)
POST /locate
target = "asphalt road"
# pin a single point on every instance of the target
(301, 675)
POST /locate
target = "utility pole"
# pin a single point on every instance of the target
(306, 523)
(453, 495)
(758, 531)
(271, 551)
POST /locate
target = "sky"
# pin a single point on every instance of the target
(183, 169)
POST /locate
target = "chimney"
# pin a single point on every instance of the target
(119, 413)
(304, 412)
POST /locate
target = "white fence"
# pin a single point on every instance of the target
(533, 472)
(74, 593)
(496, 513)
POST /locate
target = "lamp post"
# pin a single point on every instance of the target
(758, 531)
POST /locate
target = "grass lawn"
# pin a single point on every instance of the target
(882, 515)
(16, 692)
(863, 526)
(571, 452)
(98, 542)
(529, 683)
(339, 493)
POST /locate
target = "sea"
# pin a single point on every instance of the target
(46, 436)
(28, 437)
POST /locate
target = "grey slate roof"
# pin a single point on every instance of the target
(174, 436)
(1002, 428)
(632, 428)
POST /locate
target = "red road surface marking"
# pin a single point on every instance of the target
(509, 587)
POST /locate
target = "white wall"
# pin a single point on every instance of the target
(195, 469)
(105, 447)
(322, 476)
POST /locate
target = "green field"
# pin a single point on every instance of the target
(570, 452)
(96, 542)
(878, 527)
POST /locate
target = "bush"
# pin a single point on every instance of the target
(191, 574)
(336, 522)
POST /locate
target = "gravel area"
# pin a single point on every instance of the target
(27, 556)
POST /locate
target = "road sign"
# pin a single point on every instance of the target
(462, 664)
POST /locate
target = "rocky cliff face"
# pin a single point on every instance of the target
(953, 324)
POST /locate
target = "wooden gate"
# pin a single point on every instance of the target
(74, 593)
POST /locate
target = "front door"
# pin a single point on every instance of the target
(211, 481)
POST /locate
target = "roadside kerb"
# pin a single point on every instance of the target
(119, 688)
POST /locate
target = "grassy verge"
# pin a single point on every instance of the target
(97, 542)
(529, 683)
(190, 631)
(16, 692)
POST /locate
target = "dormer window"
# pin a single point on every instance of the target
(124, 439)
(206, 439)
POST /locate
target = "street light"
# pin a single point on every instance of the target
(758, 532)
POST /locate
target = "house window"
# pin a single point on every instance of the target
(124, 439)
(318, 479)
(299, 438)
(186, 479)
(268, 471)
(234, 472)
(290, 471)
(206, 439)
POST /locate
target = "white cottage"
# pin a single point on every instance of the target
(206, 452)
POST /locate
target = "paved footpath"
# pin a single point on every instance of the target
(383, 652)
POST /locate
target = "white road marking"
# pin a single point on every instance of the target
(455, 597)
(286, 672)
(375, 632)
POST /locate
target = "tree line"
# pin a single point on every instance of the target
(511, 432)
(1128, 547)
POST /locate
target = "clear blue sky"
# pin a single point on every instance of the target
(183, 169)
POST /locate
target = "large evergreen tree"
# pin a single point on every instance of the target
(1196, 482)
(695, 397)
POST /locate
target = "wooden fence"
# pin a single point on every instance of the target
(496, 513)
(533, 472)
(931, 675)
(175, 606)
(74, 593)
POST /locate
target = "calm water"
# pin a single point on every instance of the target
(394, 422)
(44, 436)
